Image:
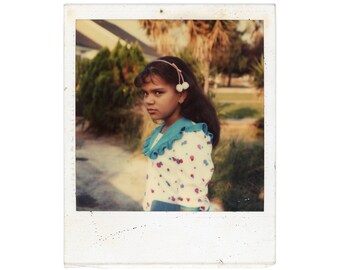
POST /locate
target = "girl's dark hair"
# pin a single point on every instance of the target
(197, 106)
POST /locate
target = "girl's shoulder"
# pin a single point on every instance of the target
(182, 130)
(197, 138)
(198, 134)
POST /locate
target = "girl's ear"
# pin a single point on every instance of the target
(182, 96)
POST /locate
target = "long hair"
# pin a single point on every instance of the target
(197, 106)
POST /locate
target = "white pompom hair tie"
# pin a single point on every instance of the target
(181, 85)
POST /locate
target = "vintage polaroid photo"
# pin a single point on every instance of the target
(169, 140)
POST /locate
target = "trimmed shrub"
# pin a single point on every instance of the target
(107, 93)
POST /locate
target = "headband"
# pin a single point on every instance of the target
(180, 86)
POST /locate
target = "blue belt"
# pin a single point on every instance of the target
(164, 206)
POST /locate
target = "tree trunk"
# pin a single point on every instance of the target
(206, 72)
(229, 79)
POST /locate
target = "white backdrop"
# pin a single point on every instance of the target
(32, 135)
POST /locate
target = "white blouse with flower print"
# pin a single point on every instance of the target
(181, 174)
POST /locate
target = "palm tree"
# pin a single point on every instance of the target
(160, 33)
(258, 72)
(205, 37)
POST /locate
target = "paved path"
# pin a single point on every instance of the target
(110, 175)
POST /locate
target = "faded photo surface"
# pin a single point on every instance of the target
(227, 58)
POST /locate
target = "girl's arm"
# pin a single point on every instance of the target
(196, 171)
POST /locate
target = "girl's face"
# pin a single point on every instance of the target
(161, 100)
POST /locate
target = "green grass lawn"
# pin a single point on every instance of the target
(228, 97)
(238, 105)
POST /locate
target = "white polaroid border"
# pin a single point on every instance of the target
(230, 239)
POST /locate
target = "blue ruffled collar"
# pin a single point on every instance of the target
(173, 133)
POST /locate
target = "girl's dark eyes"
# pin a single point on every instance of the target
(156, 93)
(143, 94)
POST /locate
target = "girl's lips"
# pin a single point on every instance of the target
(152, 111)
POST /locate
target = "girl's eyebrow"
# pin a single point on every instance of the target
(153, 90)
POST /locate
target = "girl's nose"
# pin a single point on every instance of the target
(149, 100)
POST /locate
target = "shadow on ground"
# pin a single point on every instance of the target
(94, 193)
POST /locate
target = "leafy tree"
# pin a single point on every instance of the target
(254, 50)
(82, 64)
(230, 59)
(107, 92)
(242, 54)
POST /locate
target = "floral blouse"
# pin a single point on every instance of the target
(179, 166)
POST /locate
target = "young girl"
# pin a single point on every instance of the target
(179, 150)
